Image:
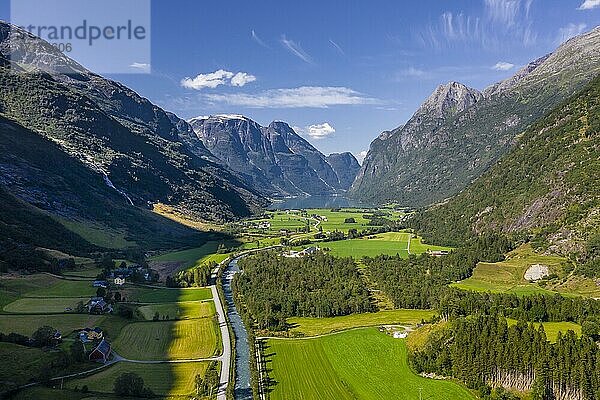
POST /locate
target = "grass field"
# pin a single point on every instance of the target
(159, 295)
(390, 243)
(27, 324)
(195, 256)
(359, 364)
(508, 276)
(553, 328)
(320, 326)
(65, 288)
(184, 310)
(163, 340)
(44, 305)
(98, 235)
(163, 379)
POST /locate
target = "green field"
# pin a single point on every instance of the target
(320, 326)
(65, 288)
(168, 340)
(27, 324)
(184, 310)
(42, 305)
(508, 276)
(163, 379)
(553, 328)
(196, 256)
(360, 364)
(160, 295)
(390, 243)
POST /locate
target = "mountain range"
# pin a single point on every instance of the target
(94, 155)
(274, 158)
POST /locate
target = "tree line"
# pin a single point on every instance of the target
(273, 288)
(484, 352)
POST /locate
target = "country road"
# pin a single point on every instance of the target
(226, 356)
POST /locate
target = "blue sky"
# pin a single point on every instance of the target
(341, 71)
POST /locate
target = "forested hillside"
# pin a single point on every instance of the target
(547, 185)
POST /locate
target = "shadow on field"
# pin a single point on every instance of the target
(267, 362)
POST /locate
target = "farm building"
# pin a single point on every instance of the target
(119, 281)
(102, 284)
(101, 353)
(306, 252)
(89, 334)
(438, 253)
(97, 305)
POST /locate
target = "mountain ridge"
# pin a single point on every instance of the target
(274, 157)
(448, 153)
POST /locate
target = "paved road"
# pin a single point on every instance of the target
(225, 358)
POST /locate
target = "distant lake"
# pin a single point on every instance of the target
(315, 202)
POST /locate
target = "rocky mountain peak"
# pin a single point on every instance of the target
(452, 97)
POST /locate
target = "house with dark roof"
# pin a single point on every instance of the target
(97, 305)
(101, 353)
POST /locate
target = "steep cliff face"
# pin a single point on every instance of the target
(273, 159)
(458, 133)
(346, 166)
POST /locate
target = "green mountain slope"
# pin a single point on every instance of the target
(41, 186)
(548, 185)
(459, 133)
(133, 144)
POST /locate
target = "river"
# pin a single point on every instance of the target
(243, 389)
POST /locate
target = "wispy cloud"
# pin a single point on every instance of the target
(411, 72)
(296, 49)
(504, 12)
(567, 32)
(589, 4)
(316, 131)
(140, 66)
(300, 97)
(503, 66)
(217, 78)
(337, 47)
(258, 40)
(498, 21)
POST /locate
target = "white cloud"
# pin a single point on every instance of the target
(217, 78)
(140, 66)
(589, 4)
(412, 72)
(316, 131)
(360, 156)
(504, 12)
(300, 97)
(337, 47)
(258, 40)
(498, 21)
(320, 131)
(241, 78)
(567, 32)
(503, 66)
(296, 50)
